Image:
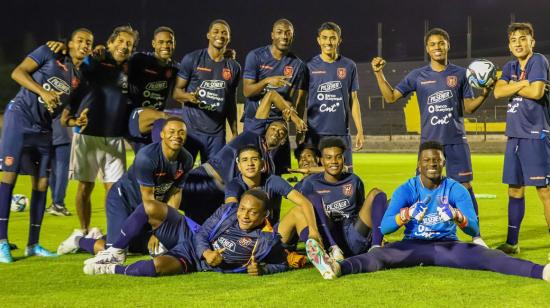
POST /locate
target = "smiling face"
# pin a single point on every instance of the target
(308, 159)
(282, 36)
(329, 40)
(521, 44)
(218, 36)
(251, 212)
(173, 135)
(80, 45)
(275, 135)
(430, 165)
(164, 44)
(437, 47)
(250, 163)
(121, 46)
(332, 159)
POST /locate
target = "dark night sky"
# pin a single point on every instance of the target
(403, 23)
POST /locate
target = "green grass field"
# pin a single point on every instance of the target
(59, 282)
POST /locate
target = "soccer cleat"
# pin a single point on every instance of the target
(5, 253)
(336, 253)
(328, 268)
(479, 241)
(70, 245)
(110, 255)
(58, 210)
(509, 249)
(37, 250)
(94, 233)
(99, 269)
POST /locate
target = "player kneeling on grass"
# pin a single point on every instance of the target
(237, 238)
(349, 221)
(430, 207)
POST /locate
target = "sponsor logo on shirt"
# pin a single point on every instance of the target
(318, 72)
(157, 85)
(446, 119)
(213, 84)
(324, 191)
(452, 81)
(513, 107)
(222, 242)
(266, 67)
(151, 71)
(341, 72)
(59, 84)
(440, 96)
(439, 108)
(329, 86)
(226, 74)
(428, 82)
(204, 69)
(288, 71)
(337, 205)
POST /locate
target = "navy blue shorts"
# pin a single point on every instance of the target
(118, 209)
(316, 139)
(201, 195)
(526, 162)
(136, 139)
(458, 162)
(205, 144)
(176, 235)
(351, 242)
(24, 151)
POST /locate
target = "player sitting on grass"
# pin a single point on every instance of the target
(157, 174)
(348, 219)
(237, 238)
(430, 207)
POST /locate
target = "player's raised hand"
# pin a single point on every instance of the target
(253, 268)
(213, 257)
(57, 46)
(277, 81)
(377, 64)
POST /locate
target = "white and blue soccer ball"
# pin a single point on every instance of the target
(19, 202)
(481, 73)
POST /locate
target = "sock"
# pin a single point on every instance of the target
(140, 268)
(87, 244)
(304, 234)
(538, 272)
(379, 206)
(131, 228)
(38, 205)
(6, 191)
(474, 202)
(157, 128)
(322, 219)
(516, 211)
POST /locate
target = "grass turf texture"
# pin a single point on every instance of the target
(59, 281)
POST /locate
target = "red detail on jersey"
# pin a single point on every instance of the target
(8, 160)
(318, 72)
(205, 69)
(341, 72)
(75, 82)
(168, 74)
(347, 190)
(452, 81)
(151, 72)
(160, 174)
(266, 67)
(288, 71)
(63, 66)
(179, 173)
(226, 74)
(125, 68)
(245, 241)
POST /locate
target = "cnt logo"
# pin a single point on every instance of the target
(440, 96)
(213, 84)
(329, 86)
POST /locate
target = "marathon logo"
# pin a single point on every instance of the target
(329, 86)
(337, 205)
(59, 84)
(213, 84)
(439, 97)
(157, 85)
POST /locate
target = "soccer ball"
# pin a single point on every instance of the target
(481, 73)
(19, 202)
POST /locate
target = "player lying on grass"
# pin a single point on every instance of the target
(203, 190)
(157, 174)
(48, 83)
(348, 220)
(430, 207)
(237, 238)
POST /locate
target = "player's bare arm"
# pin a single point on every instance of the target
(22, 74)
(473, 104)
(356, 115)
(252, 87)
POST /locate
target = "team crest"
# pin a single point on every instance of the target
(288, 71)
(226, 74)
(245, 241)
(347, 190)
(8, 160)
(452, 81)
(75, 82)
(179, 173)
(125, 68)
(168, 74)
(341, 72)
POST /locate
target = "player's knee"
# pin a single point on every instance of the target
(167, 265)
(516, 191)
(9, 177)
(467, 185)
(544, 191)
(375, 192)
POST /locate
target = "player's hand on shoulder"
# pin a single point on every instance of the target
(57, 47)
(213, 257)
(377, 64)
(99, 52)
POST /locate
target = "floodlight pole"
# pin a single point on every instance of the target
(469, 39)
(379, 43)
(426, 29)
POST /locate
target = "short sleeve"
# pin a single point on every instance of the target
(408, 84)
(251, 66)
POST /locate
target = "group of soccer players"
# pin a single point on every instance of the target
(232, 201)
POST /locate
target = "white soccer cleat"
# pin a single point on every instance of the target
(70, 245)
(328, 268)
(110, 255)
(546, 273)
(479, 241)
(94, 233)
(99, 269)
(336, 253)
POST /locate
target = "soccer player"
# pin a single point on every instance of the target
(237, 238)
(332, 81)
(430, 206)
(48, 82)
(274, 68)
(524, 81)
(207, 87)
(203, 190)
(443, 96)
(99, 148)
(250, 164)
(151, 78)
(158, 173)
(59, 176)
(349, 221)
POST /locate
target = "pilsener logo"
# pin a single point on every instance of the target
(329, 86)
(213, 84)
(440, 96)
(59, 84)
(337, 205)
(157, 85)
